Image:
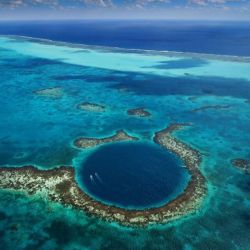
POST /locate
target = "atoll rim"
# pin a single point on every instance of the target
(61, 186)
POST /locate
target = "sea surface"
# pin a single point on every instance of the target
(213, 37)
(133, 175)
(212, 92)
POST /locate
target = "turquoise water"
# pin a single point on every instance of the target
(40, 130)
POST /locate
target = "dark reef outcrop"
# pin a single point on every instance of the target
(140, 112)
(92, 107)
(53, 92)
(242, 164)
(120, 135)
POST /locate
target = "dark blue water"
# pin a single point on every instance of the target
(228, 38)
(156, 85)
(133, 174)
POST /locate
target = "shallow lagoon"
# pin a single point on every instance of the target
(40, 130)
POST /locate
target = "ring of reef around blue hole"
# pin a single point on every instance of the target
(60, 184)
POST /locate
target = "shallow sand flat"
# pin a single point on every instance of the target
(133, 62)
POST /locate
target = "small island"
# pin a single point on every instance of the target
(60, 185)
(140, 112)
(120, 135)
(242, 164)
(92, 107)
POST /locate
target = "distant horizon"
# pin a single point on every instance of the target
(211, 37)
(119, 9)
(125, 124)
(124, 19)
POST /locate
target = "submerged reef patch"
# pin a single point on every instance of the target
(92, 107)
(120, 135)
(60, 185)
(140, 112)
(182, 63)
(242, 164)
(211, 107)
(54, 92)
(191, 85)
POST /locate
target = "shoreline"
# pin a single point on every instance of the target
(60, 185)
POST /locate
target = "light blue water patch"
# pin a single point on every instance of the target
(123, 61)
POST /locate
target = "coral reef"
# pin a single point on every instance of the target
(60, 185)
(140, 112)
(54, 92)
(242, 164)
(120, 135)
(92, 107)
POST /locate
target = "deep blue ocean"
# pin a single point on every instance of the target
(227, 38)
(113, 175)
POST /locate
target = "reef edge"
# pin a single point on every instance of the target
(60, 185)
(89, 142)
